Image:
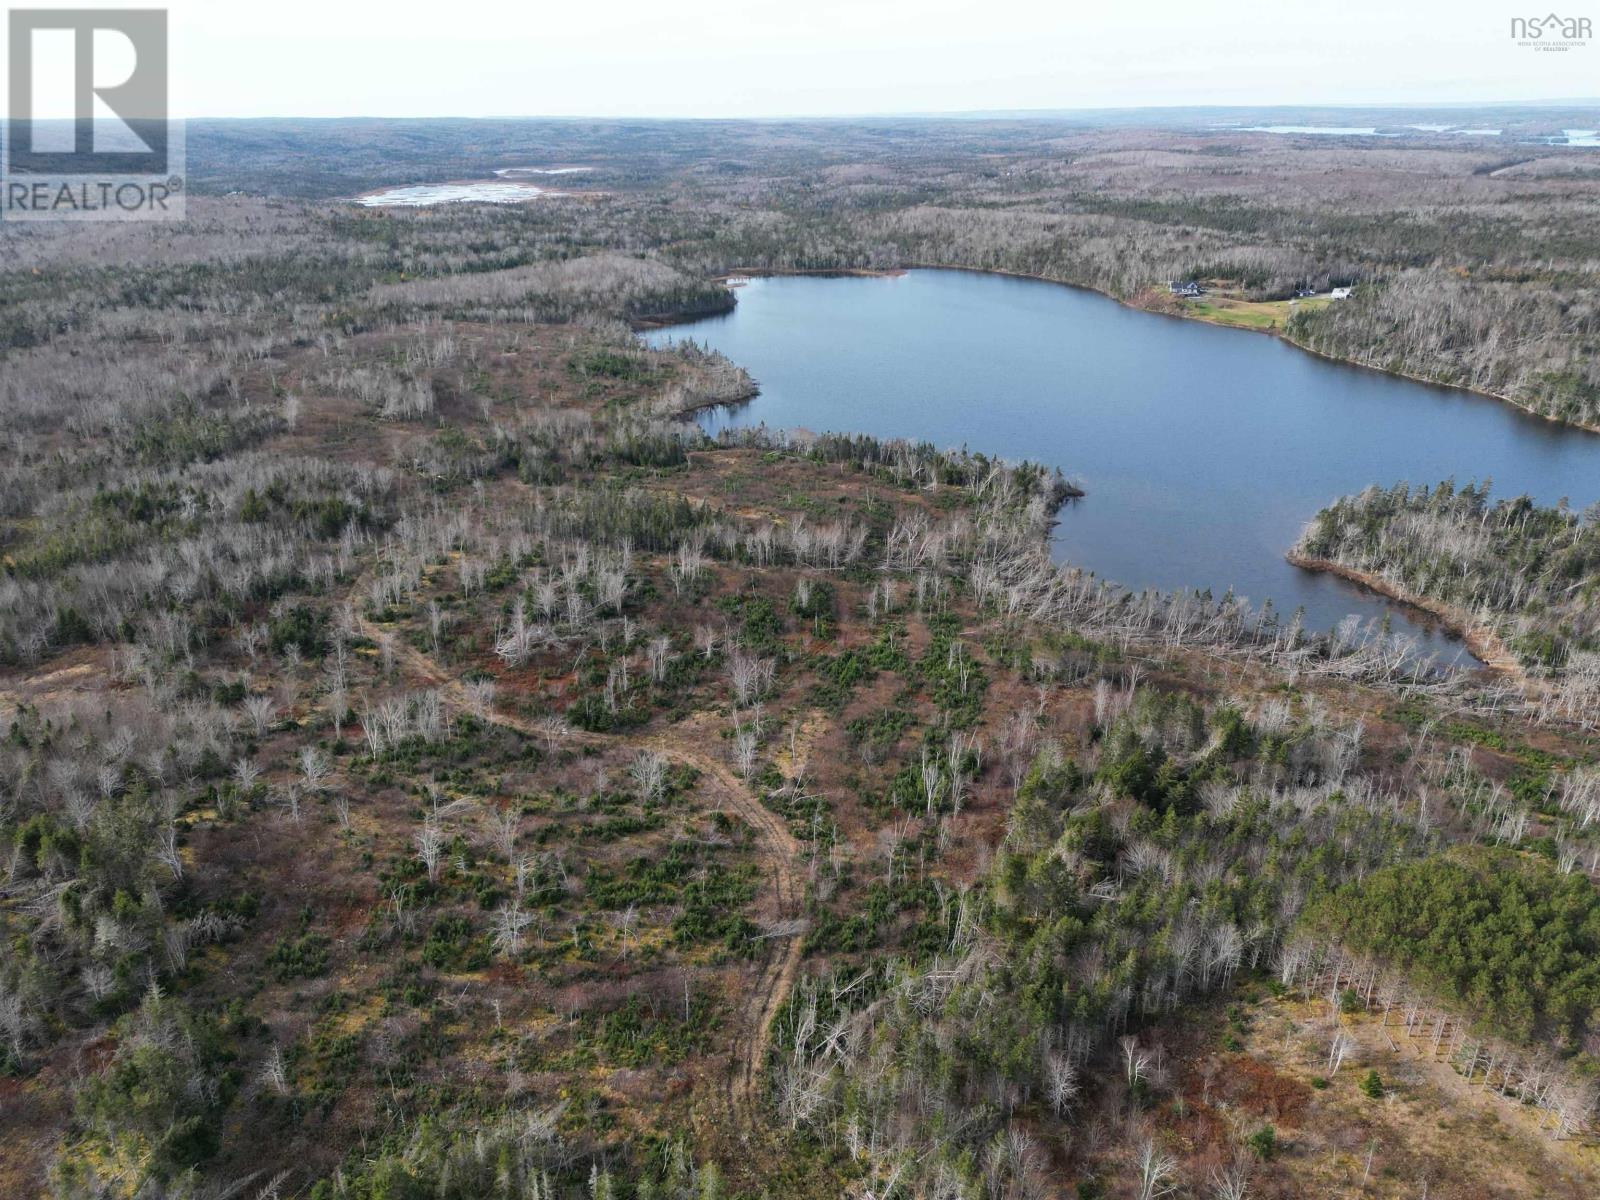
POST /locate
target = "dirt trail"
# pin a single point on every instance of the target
(680, 744)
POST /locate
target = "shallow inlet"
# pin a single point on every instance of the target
(1203, 450)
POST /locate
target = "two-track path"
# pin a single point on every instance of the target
(681, 744)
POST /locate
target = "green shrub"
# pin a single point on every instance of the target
(302, 626)
(452, 946)
(157, 1110)
(303, 957)
(1263, 1143)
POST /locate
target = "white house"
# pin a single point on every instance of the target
(1339, 294)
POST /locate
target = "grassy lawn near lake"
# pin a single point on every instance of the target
(1249, 314)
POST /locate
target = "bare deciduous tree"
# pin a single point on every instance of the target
(274, 1075)
(749, 676)
(480, 697)
(510, 919)
(649, 773)
(506, 826)
(1232, 1182)
(314, 768)
(1157, 1172)
(744, 752)
(260, 709)
(430, 848)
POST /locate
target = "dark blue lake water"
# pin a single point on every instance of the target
(1203, 450)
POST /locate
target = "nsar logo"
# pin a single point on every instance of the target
(1552, 32)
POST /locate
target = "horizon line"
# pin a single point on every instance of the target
(936, 114)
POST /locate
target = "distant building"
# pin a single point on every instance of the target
(1185, 287)
(1339, 294)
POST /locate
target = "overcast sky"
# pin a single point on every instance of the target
(738, 58)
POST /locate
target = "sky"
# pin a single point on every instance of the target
(759, 58)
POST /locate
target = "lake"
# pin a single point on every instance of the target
(425, 195)
(1203, 450)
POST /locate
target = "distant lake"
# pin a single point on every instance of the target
(1371, 131)
(1330, 130)
(1203, 450)
(425, 195)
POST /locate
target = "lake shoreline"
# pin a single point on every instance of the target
(1178, 314)
(1481, 639)
(687, 316)
(1048, 376)
(819, 272)
(1454, 387)
(1273, 332)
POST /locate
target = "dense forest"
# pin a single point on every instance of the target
(1511, 941)
(433, 768)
